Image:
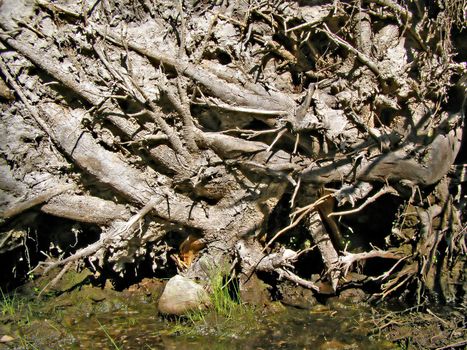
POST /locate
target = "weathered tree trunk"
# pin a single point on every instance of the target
(191, 135)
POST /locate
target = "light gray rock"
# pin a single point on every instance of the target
(181, 295)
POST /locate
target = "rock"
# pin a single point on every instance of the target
(353, 295)
(297, 296)
(255, 292)
(6, 338)
(181, 295)
(147, 287)
(333, 345)
(347, 298)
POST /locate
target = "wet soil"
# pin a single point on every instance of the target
(91, 317)
(88, 317)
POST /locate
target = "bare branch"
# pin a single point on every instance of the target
(386, 189)
(39, 199)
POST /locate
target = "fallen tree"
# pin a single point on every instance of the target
(187, 135)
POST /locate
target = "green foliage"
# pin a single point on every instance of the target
(8, 304)
(225, 301)
(14, 307)
(27, 344)
(112, 341)
(18, 311)
(228, 316)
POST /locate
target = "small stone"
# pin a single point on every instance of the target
(181, 295)
(6, 338)
(297, 296)
(333, 345)
(254, 292)
(353, 295)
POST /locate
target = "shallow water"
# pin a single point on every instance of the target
(97, 319)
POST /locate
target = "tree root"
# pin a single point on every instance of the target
(115, 233)
(240, 135)
(39, 199)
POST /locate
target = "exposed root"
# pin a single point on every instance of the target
(114, 233)
(240, 126)
(39, 199)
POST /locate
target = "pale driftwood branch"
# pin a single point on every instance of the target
(53, 68)
(249, 110)
(297, 279)
(85, 209)
(38, 199)
(347, 259)
(112, 171)
(326, 248)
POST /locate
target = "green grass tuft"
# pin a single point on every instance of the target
(11, 305)
(225, 298)
(112, 341)
(228, 316)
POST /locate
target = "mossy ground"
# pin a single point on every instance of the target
(89, 316)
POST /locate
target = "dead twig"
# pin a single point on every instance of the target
(256, 111)
(58, 8)
(360, 55)
(56, 279)
(284, 273)
(311, 24)
(303, 212)
(347, 259)
(249, 134)
(455, 345)
(277, 138)
(386, 189)
(295, 192)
